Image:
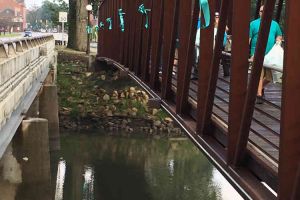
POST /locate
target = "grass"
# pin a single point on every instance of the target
(7, 35)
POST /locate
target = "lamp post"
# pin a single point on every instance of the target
(89, 9)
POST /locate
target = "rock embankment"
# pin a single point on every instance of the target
(106, 100)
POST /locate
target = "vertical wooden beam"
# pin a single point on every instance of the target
(208, 98)
(279, 9)
(217, 6)
(257, 8)
(126, 5)
(156, 40)
(253, 82)
(289, 152)
(204, 66)
(170, 28)
(132, 33)
(146, 44)
(296, 188)
(188, 16)
(239, 71)
(138, 39)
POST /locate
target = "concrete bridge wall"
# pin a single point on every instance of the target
(24, 65)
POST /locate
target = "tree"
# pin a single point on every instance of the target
(78, 21)
(77, 25)
(47, 14)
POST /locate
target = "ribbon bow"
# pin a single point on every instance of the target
(204, 7)
(88, 29)
(101, 25)
(110, 23)
(144, 11)
(122, 24)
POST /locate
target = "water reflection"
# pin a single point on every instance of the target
(139, 168)
(60, 180)
(92, 167)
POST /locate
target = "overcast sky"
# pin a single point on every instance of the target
(30, 3)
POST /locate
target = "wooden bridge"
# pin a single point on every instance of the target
(256, 146)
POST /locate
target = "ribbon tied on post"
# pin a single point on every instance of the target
(122, 24)
(110, 23)
(144, 11)
(204, 7)
(88, 29)
(101, 25)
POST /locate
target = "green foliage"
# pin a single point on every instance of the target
(161, 114)
(46, 16)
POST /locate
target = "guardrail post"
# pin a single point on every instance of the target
(19, 47)
(24, 44)
(11, 49)
(3, 51)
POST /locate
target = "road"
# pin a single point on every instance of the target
(57, 36)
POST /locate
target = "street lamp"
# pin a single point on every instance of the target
(89, 9)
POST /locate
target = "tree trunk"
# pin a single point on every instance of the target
(77, 25)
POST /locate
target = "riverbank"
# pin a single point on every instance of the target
(103, 99)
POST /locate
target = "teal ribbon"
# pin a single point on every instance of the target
(144, 11)
(88, 29)
(96, 27)
(110, 23)
(122, 24)
(101, 25)
(204, 7)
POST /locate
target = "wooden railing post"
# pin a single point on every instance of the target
(156, 40)
(204, 66)
(239, 71)
(253, 82)
(289, 152)
(187, 34)
(206, 105)
(170, 28)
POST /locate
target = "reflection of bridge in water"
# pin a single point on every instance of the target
(255, 145)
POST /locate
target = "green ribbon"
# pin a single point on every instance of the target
(110, 23)
(88, 29)
(122, 24)
(101, 25)
(144, 11)
(96, 27)
(204, 7)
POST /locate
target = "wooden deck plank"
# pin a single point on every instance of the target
(265, 126)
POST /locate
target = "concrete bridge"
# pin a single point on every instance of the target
(27, 84)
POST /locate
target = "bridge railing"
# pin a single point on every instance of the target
(245, 151)
(20, 66)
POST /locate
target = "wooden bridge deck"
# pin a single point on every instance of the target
(265, 127)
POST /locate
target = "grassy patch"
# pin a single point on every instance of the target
(7, 35)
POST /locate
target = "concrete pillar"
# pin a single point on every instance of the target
(36, 160)
(10, 175)
(48, 107)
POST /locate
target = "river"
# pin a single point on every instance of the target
(112, 167)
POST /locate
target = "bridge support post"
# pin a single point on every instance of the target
(36, 170)
(10, 175)
(48, 107)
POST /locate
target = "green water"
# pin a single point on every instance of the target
(99, 166)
